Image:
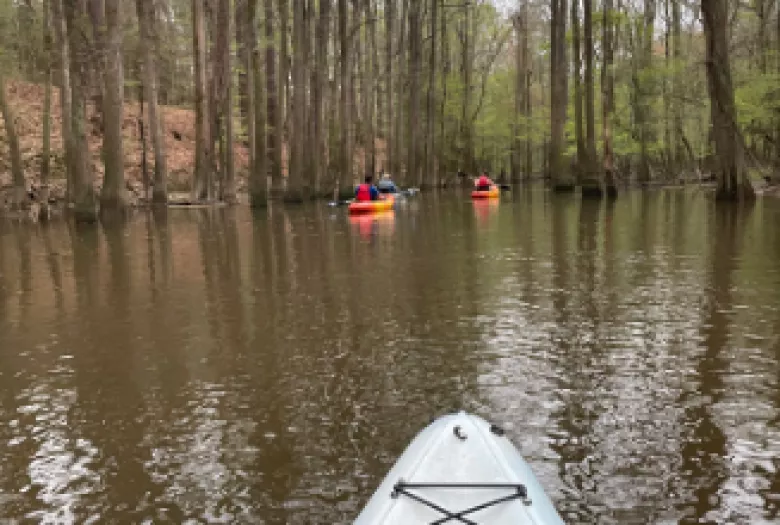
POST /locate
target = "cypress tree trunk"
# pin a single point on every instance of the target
(202, 185)
(113, 195)
(430, 176)
(46, 155)
(591, 181)
(577, 51)
(147, 26)
(733, 183)
(258, 177)
(389, 85)
(83, 196)
(346, 182)
(273, 114)
(414, 92)
(66, 111)
(559, 173)
(17, 175)
(318, 89)
(295, 181)
(607, 100)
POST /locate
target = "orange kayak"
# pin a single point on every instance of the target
(492, 193)
(372, 206)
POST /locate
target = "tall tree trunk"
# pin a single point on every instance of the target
(295, 183)
(225, 20)
(246, 38)
(468, 136)
(66, 110)
(318, 89)
(577, 52)
(528, 165)
(46, 155)
(644, 92)
(415, 39)
(389, 85)
(517, 149)
(379, 86)
(400, 95)
(444, 142)
(258, 177)
(83, 197)
(607, 97)
(113, 196)
(202, 181)
(559, 173)
(733, 183)
(147, 26)
(591, 182)
(370, 86)
(273, 114)
(96, 66)
(430, 169)
(677, 87)
(346, 182)
(17, 175)
(283, 81)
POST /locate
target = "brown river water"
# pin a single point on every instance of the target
(215, 366)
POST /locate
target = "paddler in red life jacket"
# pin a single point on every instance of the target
(367, 191)
(483, 183)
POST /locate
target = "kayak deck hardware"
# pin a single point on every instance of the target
(520, 492)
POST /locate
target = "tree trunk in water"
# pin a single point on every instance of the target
(202, 185)
(398, 136)
(147, 26)
(246, 38)
(579, 134)
(46, 155)
(607, 97)
(430, 173)
(389, 86)
(444, 142)
(225, 22)
(66, 111)
(113, 196)
(591, 182)
(370, 87)
(677, 87)
(468, 138)
(273, 116)
(258, 177)
(559, 173)
(644, 93)
(415, 38)
(318, 89)
(346, 181)
(517, 149)
(284, 95)
(733, 183)
(83, 197)
(378, 93)
(527, 108)
(17, 175)
(295, 183)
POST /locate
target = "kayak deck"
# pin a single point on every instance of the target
(460, 469)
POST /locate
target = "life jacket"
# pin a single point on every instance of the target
(483, 182)
(364, 192)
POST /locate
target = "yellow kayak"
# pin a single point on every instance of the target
(492, 193)
(372, 206)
